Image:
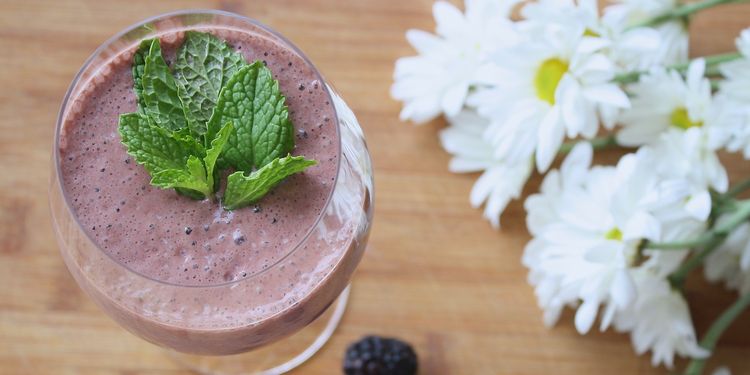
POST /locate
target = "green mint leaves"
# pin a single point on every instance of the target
(252, 99)
(212, 111)
(214, 151)
(198, 174)
(203, 66)
(139, 64)
(160, 97)
(154, 147)
(243, 190)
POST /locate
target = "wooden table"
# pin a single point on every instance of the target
(435, 273)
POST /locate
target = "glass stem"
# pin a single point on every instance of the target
(683, 11)
(711, 61)
(695, 367)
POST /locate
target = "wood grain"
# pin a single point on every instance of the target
(435, 273)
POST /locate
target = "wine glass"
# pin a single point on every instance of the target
(216, 329)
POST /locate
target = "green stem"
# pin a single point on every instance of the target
(713, 69)
(739, 188)
(708, 242)
(677, 278)
(695, 367)
(715, 85)
(703, 240)
(683, 11)
(598, 143)
(740, 214)
(711, 61)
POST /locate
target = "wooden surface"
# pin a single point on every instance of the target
(435, 273)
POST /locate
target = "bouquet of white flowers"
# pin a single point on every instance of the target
(614, 242)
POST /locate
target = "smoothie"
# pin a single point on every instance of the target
(188, 274)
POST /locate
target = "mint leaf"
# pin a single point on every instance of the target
(233, 61)
(235, 104)
(139, 64)
(203, 64)
(193, 178)
(156, 148)
(272, 130)
(160, 96)
(213, 153)
(252, 101)
(243, 190)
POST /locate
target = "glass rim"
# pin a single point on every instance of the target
(141, 24)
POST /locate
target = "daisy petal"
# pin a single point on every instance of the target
(585, 316)
(699, 205)
(453, 99)
(551, 135)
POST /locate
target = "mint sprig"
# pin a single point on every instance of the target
(214, 151)
(202, 67)
(243, 190)
(252, 99)
(139, 64)
(215, 111)
(154, 147)
(192, 178)
(160, 97)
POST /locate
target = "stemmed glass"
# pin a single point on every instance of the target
(180, 317)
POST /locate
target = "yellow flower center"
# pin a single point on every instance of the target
(547, 78)
(680, 119)
(591, 33)
(614, 234)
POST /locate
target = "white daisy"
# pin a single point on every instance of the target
(733, 129)
(636, 51)
(663, 100)
(551, 85)
(737, 72)
(579, 251)
(687, 156)
(629, 48)
(438, 79)
(662, 199)
(544, 13)
(730, 262)
(659, 320)
(625, 47)
(500, 182)
(632, 49)
(587, 224)
(666, 194)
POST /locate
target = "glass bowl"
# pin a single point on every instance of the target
(208, 326)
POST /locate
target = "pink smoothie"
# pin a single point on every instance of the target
(202, 279)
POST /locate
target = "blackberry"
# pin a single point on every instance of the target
(373, 355)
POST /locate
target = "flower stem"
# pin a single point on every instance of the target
(708, 242)
(711, 61)
(695, 367)
(740, 214)
(715, 85)
(683, 11)
(739, 188)
(598, 143)
(677, 278)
